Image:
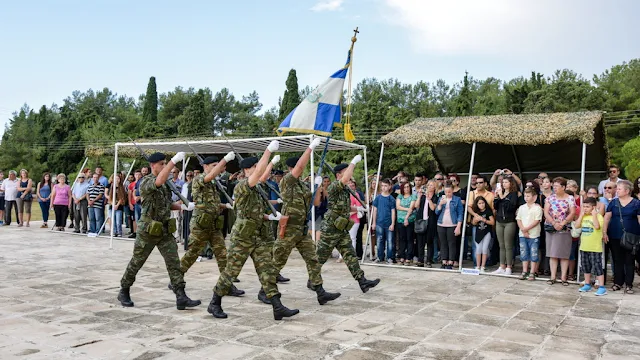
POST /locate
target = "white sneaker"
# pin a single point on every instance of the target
(483, 270)
(476, 268)
(499, 271)
(508, 271)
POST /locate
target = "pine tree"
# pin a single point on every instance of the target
(150, 110)
(194, 120)
(291, 97)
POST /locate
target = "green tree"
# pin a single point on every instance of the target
(150, 110)
(194, 121)
(631, 158)
(291, 97)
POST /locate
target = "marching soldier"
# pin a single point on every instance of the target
(297, 204)
(205, 226)
(336, 225)
(155, 229)
(247, 239)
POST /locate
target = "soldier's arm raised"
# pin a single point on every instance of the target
(262, 164)
(304, 159)
(164, 174)
(219, 168)
(348, 173)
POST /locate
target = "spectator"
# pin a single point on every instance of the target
(405, 204)
(118, 205)
(363, 221)
(401, 177)
(427, 200)
(614, 172)
(356, 212)
(43, 192)
(480, 191)
(606, 198)
(559, 210)
(24, 197)
(591, 222)
(623, 215)
(131, 195)
(483, 220)
(505, 205)
(384, 219)
(186, 215)
(10, 189)
(80, 204)
(95, 204)
(439, 178)
(418, 182)
(324, 202)
(61, 196)
(454, 179)
(499, 175)
(529, 218)
(592, 192)
(572, 189)
(1, 199)
(450, 216)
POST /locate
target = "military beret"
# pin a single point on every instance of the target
(339, 168)
(210, 160)
(247, 163)
(155, 157)
(278, 172)
(292, 161)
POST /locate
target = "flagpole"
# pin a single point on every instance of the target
(348, 134)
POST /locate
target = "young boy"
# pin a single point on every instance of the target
(384, 219)
(591, 245)
(528, 218)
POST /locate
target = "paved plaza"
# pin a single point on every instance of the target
(58, 301)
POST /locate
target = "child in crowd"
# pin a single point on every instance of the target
(483, 221)
(528, 218)
(384, 219)
(591, 245)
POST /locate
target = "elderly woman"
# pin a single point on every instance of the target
(427, 201)
(61, 195)
(450, 212)
(559, 210)
(623, 215)
(10, 189)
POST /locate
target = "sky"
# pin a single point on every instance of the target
(51, 48)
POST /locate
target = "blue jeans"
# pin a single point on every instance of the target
(118, 222)
(385, 236)
(529, 249)
(138, 210)
(44, 207)
(95, 219)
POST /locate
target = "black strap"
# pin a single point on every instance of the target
(620, 212)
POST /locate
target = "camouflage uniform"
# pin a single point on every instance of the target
(205, 227)
(339, 206)
(297, 202)
(249, 238)
(156, 206)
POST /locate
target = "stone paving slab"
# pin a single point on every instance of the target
(58, 301)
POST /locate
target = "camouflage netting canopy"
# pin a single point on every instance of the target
(535, 142)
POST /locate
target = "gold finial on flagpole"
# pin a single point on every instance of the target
(355, 35)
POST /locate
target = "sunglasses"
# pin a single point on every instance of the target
(609, 187)
(612, 171)
(479, 182)
(439, 179)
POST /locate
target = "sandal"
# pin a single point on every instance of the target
(532, 277)
(628, 290)
(565, 283)
(552, 281)
(524, 276)
(616, 287)
(570, 278)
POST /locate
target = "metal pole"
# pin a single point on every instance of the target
(466, 208)
(312, 182)
(515, 157)
(79, 171)
(582, 178)
(366, 199)
(113, 208)
(375, 192)
(130, 168)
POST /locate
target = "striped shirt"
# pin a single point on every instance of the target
(94, 191)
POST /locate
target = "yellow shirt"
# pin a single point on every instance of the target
(591, 238)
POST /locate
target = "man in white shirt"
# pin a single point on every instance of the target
(10, 189)
(80, 203)
(614, 172)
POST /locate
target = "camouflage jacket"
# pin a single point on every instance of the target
(205, 196)
(297, 199)
(339, 201)
(156, 201)
(248, 202)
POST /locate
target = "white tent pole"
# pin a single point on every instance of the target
(375, 192)
(366, 199)
(582, 178)
(130, 168)
(79, 171)
(113, 208)
(466, 208)
(312, 181)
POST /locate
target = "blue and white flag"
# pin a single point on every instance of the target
(320, 110)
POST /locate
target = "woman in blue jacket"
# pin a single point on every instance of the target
(450, 213)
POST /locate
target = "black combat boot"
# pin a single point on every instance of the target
(280, 311)
(365, 284)
(235, 291)
(170, 287)
(309, 286)
(124, 297)
(323, 296)
(215, 307)
(281, 279)
(263, 297)
(183, 301)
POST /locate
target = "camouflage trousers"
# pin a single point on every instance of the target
(296, 237)
(342, 242)
(143, 247)
(257, 246)
(198, 239)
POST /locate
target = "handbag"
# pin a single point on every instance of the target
(576, 230)
(420, 226)
(629, 240)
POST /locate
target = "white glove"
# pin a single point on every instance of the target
(356, 159)
(178, 157)
(230, 156)
(273, 146)
(318, 180)
(275, 160)
(314, 144)
(228, 206)
(361, 209)
(275, 217)
(189, 207)
(280, 201)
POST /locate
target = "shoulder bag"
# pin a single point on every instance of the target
(629, 240)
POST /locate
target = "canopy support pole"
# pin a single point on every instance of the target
(366, 199)
(312, 182)
(515, 157)
(582, 179)
(113, 208)
(375, 192)
(466, 208)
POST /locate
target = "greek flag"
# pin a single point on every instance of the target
(320, 110)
